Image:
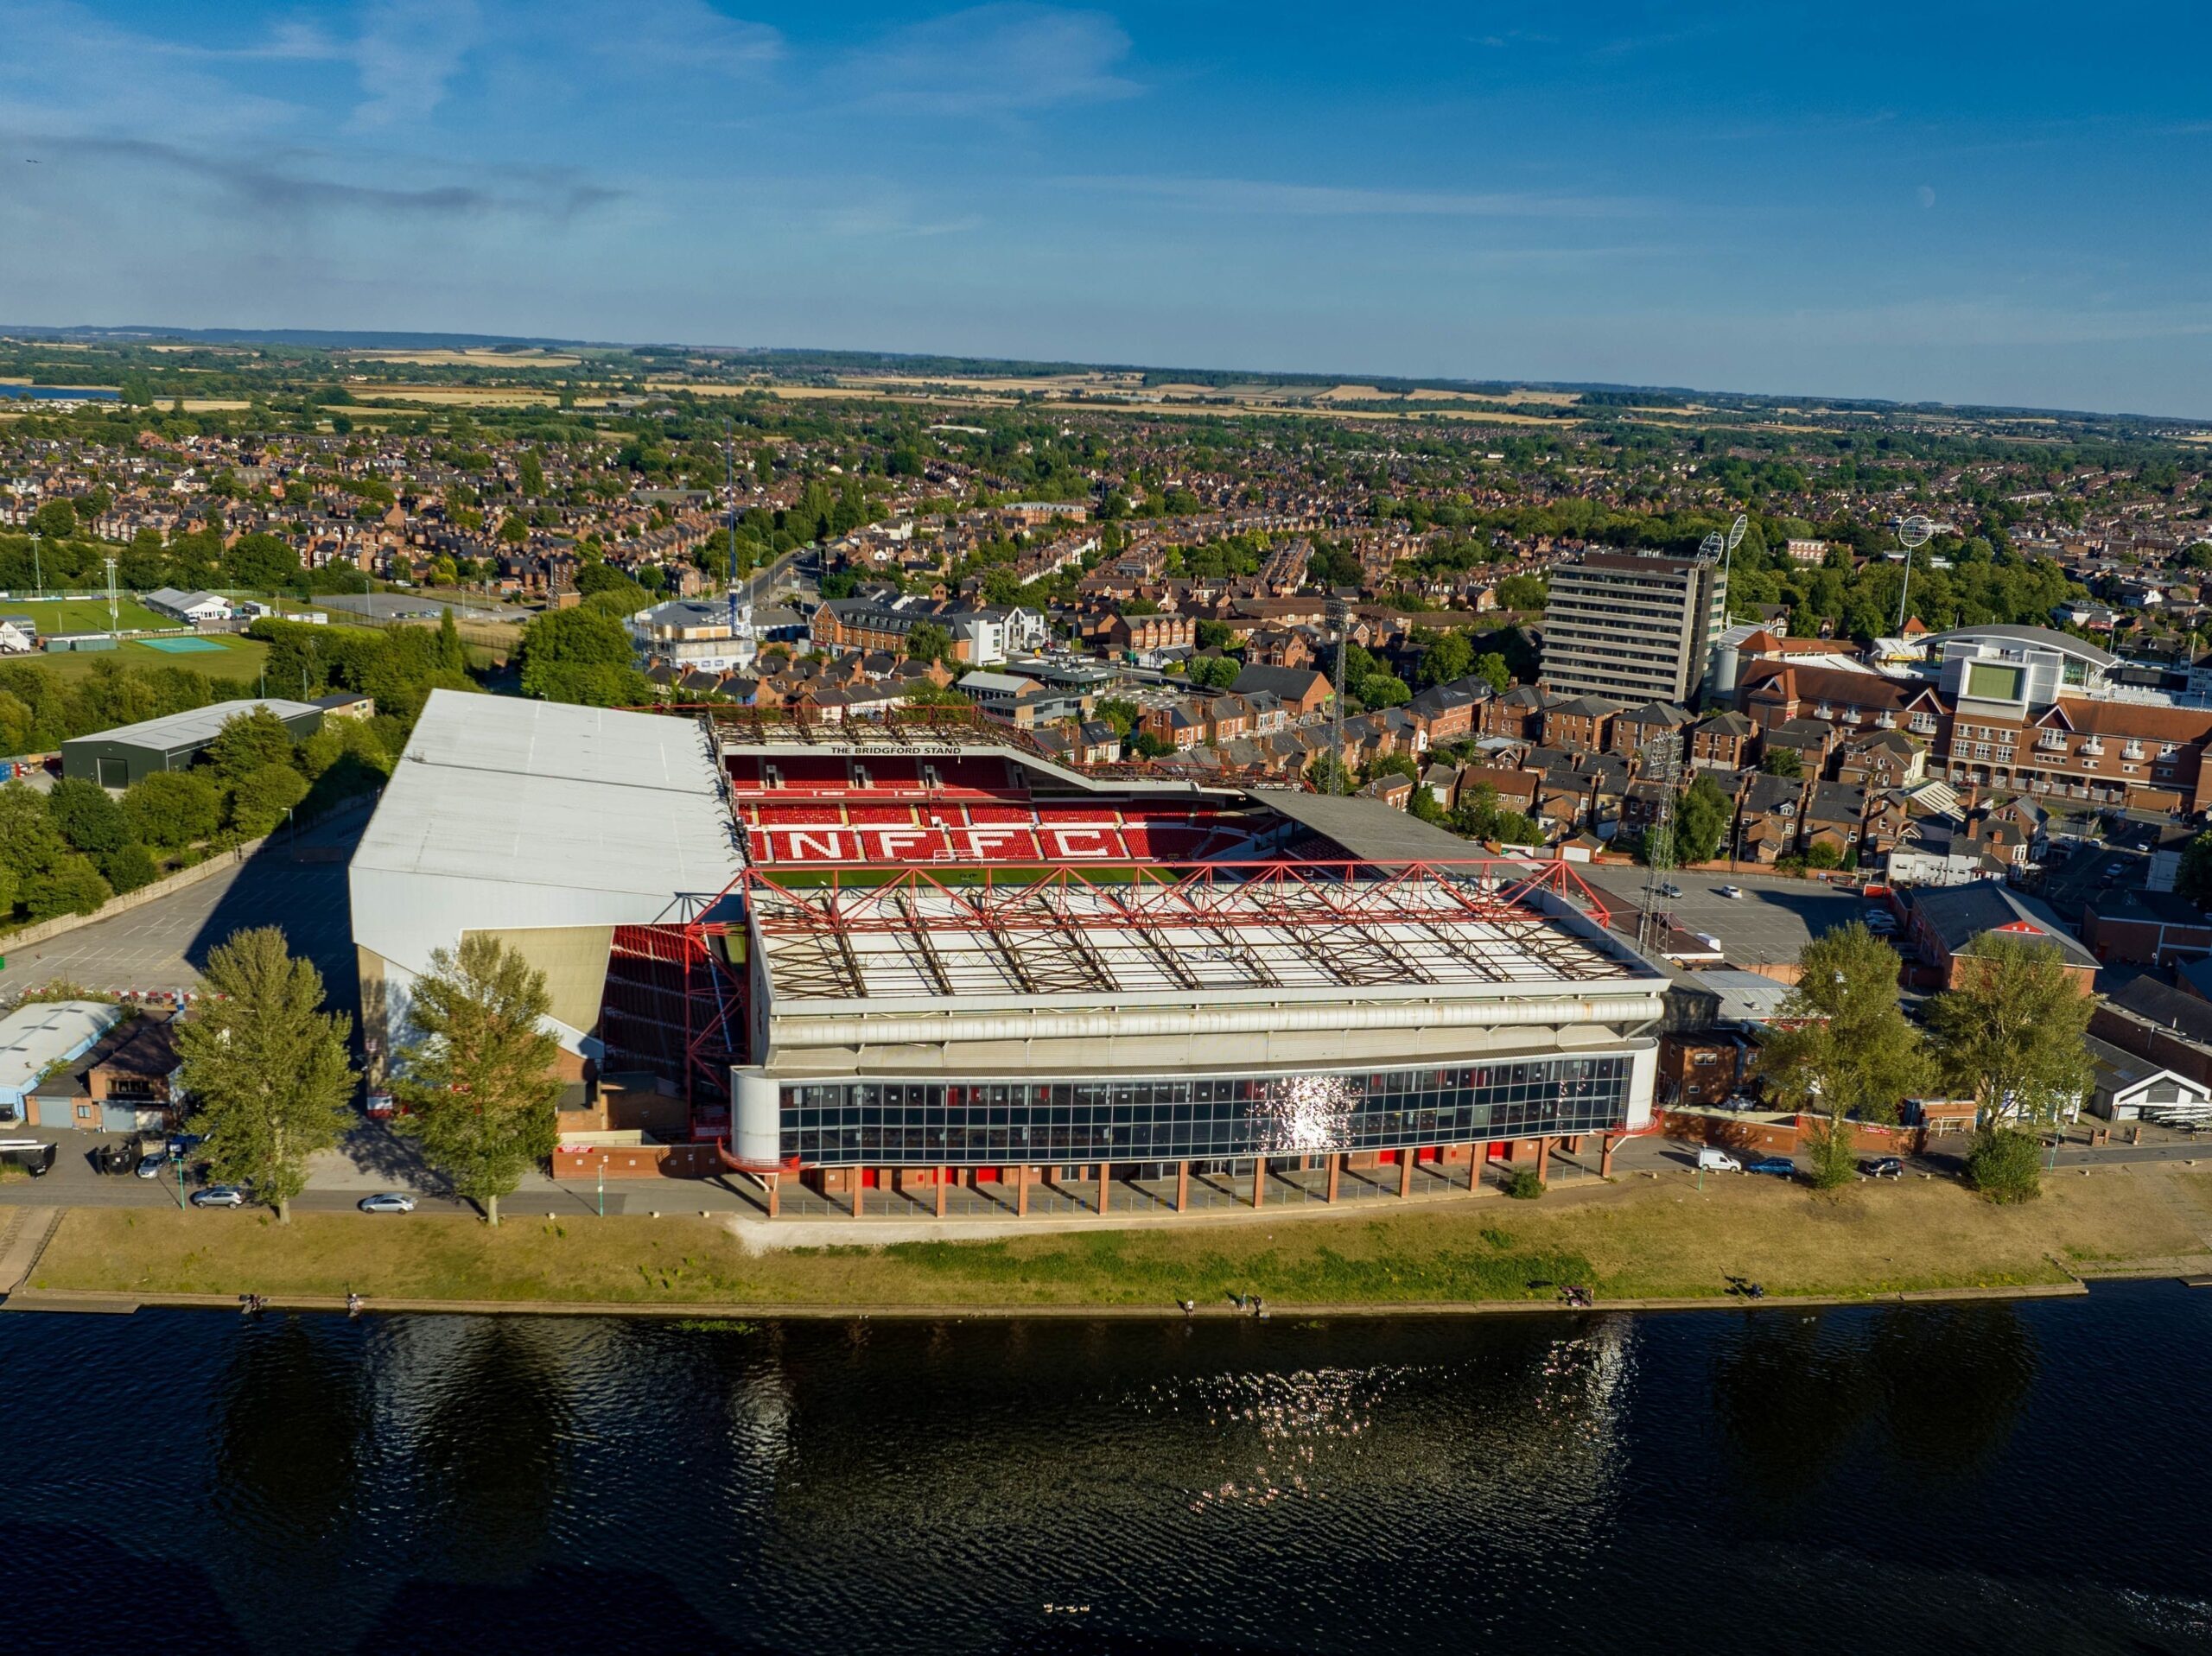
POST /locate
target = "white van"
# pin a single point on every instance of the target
(1716, 1161)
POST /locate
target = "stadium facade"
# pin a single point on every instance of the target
(919, 952)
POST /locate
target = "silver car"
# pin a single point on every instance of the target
(219, 1196)
(388, 1202)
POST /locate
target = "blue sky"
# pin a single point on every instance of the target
(1953, 200)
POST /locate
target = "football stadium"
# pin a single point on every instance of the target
(910, 958)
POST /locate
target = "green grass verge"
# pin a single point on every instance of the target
(85, 614)
(239, 660)
(1658, 1239)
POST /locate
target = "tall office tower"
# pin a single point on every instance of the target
(1632, 627)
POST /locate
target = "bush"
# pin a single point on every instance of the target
(128, 866)
(173, 808)
(73, 886)
(1525, 1186)
(2006, 1165)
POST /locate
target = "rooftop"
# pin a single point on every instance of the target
(1250, 931)
(496, 789)
(196, 726)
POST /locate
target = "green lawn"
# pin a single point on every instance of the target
(1644, 1237)
(84, 614)
(236, 659)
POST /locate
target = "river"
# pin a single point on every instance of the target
(2023, 1477)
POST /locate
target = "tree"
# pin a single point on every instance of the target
(451, 656)
(2194, 880)
(1491, 668)
(262, 797)
(1782, 762)
(2005, 1164)
(580, 656)
(56, 520)
(1839, 1046)
(1123, 715)
(1328, 775)
(1522, 593)
(1702, 820)
(89, 819)
(70, 884)
(2011, 1033)
(928, 642)
(477, 1076)
(172, 808)
(1654, 847)
(1383, 690)
(265, 1067)
(1448, 657)
(261, 562)
(247, 742)
(1214, 672)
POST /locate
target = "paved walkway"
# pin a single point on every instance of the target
(25, 1243)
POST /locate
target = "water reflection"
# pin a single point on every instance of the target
(1796, 1392)
(487, 1445)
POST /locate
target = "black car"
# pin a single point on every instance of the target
(1883, 1167)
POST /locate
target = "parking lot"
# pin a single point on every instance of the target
(164, 944)
(1774, 919)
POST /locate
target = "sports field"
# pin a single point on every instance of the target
(229, 658)
(84, 614)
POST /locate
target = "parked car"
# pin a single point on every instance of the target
(1716, 1161)
(1883, 1167)
(219, 1196)
(1779, 1167)
(1670, 890)
(388, 1202)
(1730, 892)
(150, 1167)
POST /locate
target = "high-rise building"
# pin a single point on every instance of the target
(1632, 627)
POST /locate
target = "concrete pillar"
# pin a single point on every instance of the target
(942, 1176)
(1336, 1166)
(1543, 1156)
(1021, 1190)
(774, 1181)
(1182, 1186)
(1474, 1169)
(1259, 1180)
(1406, 1172)
(1105, 1186)
(1605, 1157)
(860, 1183)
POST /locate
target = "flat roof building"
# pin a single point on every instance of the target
(117, 757)
(1634, 627)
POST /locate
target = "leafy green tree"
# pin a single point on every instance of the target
(1840, 1046)
(248, 742)
(29, 842)
(2011, 1033)
(1701, 820)
(1655, 847)
(581, 656)
(1448, 657)
(260, 798)
(1522, 593)
(56, 520)
(1782, 762)
(1328, 775)
(172, 808)
(2194, 880)
(2005, 1164)
(88, 816)
(1123, 715)
(1385, 691)
(265, 1066)
(261, 562)
(928, 642)
(70, 884)
(127, 867)
(1491, 669)
(477, 1074)
(451, 656)
(1214, 672)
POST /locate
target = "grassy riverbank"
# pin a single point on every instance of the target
(1655, 1239)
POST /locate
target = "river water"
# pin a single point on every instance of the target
(1994, 1476)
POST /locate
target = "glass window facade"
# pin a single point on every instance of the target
(989, 1123)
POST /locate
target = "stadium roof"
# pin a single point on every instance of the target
(1368, 829)
(537, 794)
(2037, 638)
(1209, 931)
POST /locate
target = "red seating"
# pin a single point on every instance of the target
(886, 815)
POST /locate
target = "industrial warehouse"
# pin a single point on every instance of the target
(910, 960)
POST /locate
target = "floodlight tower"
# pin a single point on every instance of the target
(1915, 531)
(112, 626)
(1662, 753)
(729, 488)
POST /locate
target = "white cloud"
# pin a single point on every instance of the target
(1337, 201)
(405, 54)
(997, 60)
